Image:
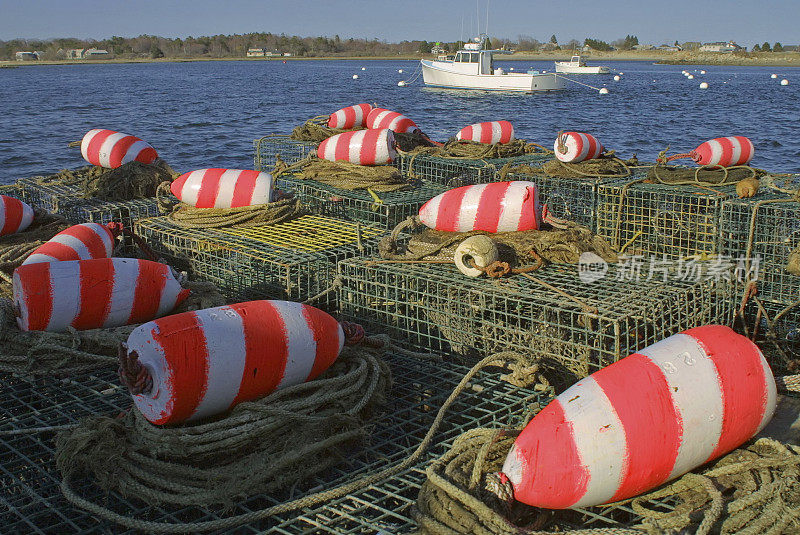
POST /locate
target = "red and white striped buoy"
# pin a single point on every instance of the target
(78, 242)
(111, 149)
(643, 421)
(493, 207)
(488, 132)
(574, 147)
(363, 147)
(90, 294)
(223, 188)
(350, 117)
(203, 363)
(397, 122)
(15, 215)
(721, 151)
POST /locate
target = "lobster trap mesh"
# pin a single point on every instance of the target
(657, 219)
(455, 172)
(269, 148)
(765, 229)
(294, 260)
(384, 210)
(577, 327)
(33, 503)
(776, 330)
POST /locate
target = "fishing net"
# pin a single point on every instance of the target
(261, 446)
(478, 151)
(70, 352)
(133, 180)
(607, 165)
(702, 176)
(186, 216)
(316, 130)
(345, 175)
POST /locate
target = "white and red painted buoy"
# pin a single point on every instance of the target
(223, 188)
(350, 117)
(493, 207)
(397, 122)
(574, 147)
(90, 294)
(363, 147)
(111, 149)
(15, 215)
(643, 421)
(489, 132)
(721, 151)
(203, 363)
(78, 242)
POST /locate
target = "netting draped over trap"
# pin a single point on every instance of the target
(315, 129)
(272, 213)
(479, 151)
(62, 354)
(608, 166)
(344, 175)
(133, 180)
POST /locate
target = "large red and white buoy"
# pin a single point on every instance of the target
(111, 149)
(488, 132)
(574, 147)
(78, 242)
(15, 215)
(643, 421)
(203, 363)
(90, 294)
(363, 147)
(397, 122)
(493, 207)
(223, 188)
(350, 117)
(721, 151)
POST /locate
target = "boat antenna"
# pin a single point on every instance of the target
(487, 19)
(462, 27)
(478, 15)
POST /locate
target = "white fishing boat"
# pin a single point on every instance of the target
(577, 65)
(473, 68)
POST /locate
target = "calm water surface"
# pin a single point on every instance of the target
(206, 114)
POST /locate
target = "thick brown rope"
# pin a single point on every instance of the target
(186, 216)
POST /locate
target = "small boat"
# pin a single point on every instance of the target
(577, 65)
(473, 68)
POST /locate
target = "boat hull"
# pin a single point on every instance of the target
(527, 83)
(568, 69)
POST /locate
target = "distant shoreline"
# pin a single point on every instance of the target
(760, 59)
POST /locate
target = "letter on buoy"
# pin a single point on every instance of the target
(78, 242)
(90, 294)
(644, 420)
(204, 362)
(111, 149)
(15, 215)
(494, 207)
(489, 132)
(364, 147)
(223, 188)
(397, 122)
(350, 117)
(574, 147)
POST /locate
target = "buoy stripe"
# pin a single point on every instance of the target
(187, 388)
(301, 346)
(65, 295)
(95, 144)
(380, 118)
(328, 347)
(579, 147)
(528, 218)
(724, 151)
(78, 242)
(363, 147)
(350, 117)
(121, 305)
(110, 149)
(148, 282)
(15, 215)
(489, 211)
(209, 188)
(96, 286)
(652, 431)
(223, 188)
(256, 378)
(119, 150)
(449, 212)
(744, 392)
(37, 309)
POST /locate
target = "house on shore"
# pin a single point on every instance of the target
(720, 46)
(263, 53)
(669, 48)
(86, 53)
(26, 56)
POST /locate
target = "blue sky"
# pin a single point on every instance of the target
(397, 20)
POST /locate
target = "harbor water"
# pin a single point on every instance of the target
(206, 114)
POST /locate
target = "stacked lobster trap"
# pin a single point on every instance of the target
(578, 327)
(455, 172)
(270, 149)
(34, 410)
(293, 260)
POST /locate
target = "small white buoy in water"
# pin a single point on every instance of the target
(603, 91)
(400, 71)
(784, 82)
(704, 85)
(401, 83)
(363, 68)
(690, 77)
(511, 68)
(702, 72)
(774, 76)
(621, 73)
(355, 77)
(616, 77)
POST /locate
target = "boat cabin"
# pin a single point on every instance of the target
(472, 61)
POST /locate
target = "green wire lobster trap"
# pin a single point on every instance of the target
(384, 210)
(454, 172)
(577, 327)
(764, 230)
(294, 260)
(775, 328)
(33, 503)
(676, 221)
(269, 149)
